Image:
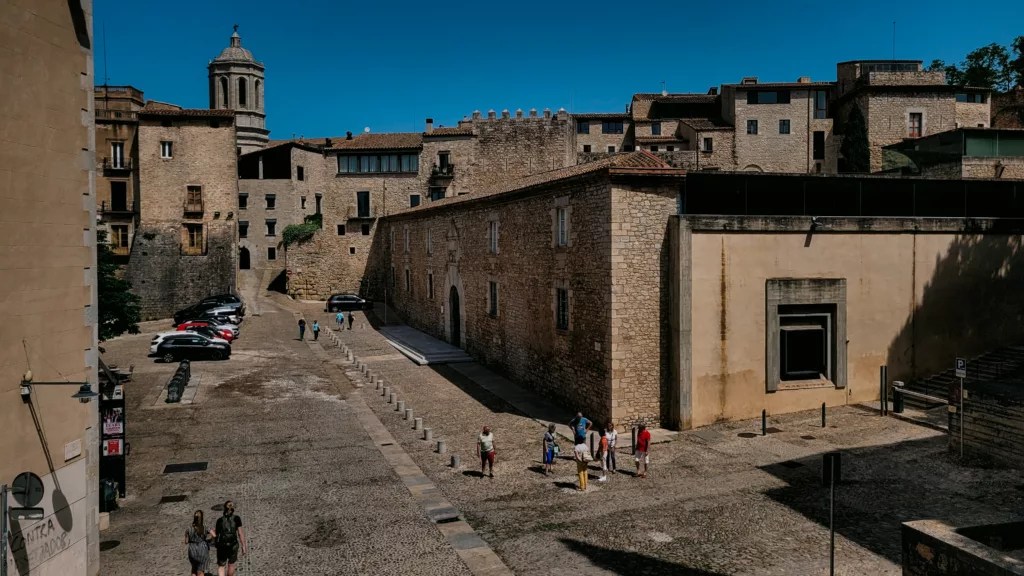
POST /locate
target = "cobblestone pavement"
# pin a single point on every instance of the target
(313, 491)
(720, 500)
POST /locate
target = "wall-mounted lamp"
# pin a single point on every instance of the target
(230, 214)
(84, 394)
(216, 214)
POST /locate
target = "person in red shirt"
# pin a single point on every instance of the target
(643, 444)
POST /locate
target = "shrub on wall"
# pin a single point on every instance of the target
(303, 232)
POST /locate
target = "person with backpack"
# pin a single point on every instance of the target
(197, 538)
(228, 537)
(302, 328)
(340, 319)
(316, 330)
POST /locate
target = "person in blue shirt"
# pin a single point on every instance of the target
(340, 318)
(580, 426)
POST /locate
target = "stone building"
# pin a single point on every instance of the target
(986, 153)
(185, 247)
(1008, 109)
(236, 83)
(49, 304)
(900, 100)
(117, 174)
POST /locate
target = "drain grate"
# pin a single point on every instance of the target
(109, 545)
(808, 437)
(447, 520)
(791, 464)
(187, 467)
(175, 498)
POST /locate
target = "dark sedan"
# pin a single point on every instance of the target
(191, 346)
(343, 302)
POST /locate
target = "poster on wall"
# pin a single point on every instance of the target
(113, 420)
(114, 447)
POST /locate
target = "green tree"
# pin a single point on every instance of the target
(987, 67)
(1016, 65)
(855, 150)
(118, 308)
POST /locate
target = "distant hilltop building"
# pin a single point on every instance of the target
(236, 83)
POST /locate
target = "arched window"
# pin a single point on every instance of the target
(223, 92)
(241, 93)
(256, 94)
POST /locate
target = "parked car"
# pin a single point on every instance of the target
(343, 302)
(225, 301)
(209, 323)
(213, 332)
(160, 337)
(230, 314)
(191, 346)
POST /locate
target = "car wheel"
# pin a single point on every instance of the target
(168, 357)
(217, 355)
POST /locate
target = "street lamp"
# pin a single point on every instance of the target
(84, 394)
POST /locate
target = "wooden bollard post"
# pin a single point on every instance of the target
(428, 434)
(417, 424)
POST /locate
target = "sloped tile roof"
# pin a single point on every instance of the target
(682, 98)
(450, 131)
(639, 160)
(705, 124)
(599, 115)
(780, 85)
(657, 139)
(382, 141)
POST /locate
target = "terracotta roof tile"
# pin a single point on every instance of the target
(639, 160)
(450, 131)
(779, 85)
(598, 115)
(705, 124)
(642, 139)
(682, 98)
(382, 141)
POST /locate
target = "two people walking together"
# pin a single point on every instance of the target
(226, 537)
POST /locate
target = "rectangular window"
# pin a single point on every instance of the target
(562, 309)
(611, 127)
(583, 127)
(443, 160)
(243, 201)
(971, 98)
(365, 229)
(820, 105)
(611, 149)
(243, 229)
(670, 148)
(394, 278)
(363, 204)
(351, 249)
(302, 202)
(341, 229)
(193, 199)
(117, 154)
(364, 163)
(656, 129)
(806, 342)
(118, 196)
(783, 126)
(408, 281)
(374, 164)
(405, 239)
(586, 148)
(300, 173)
(194, 239)
(562, 216)
(271, 201)
(414, 200)
(709, 145)
(385, 164)
(492, 237)
(271, 226)
(768, 97)
(271, 253)
(414, 162)
(166, 149)
(430, 285)
(819, 145)
(430, 241)
(119, 238)
(916, 120)
(654, 148)
(493, 300)
(751, 126)
(437, 192)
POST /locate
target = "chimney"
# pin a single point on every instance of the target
(749, 80)
(430, 125)
(803, 80)
(348, 135)
(327, 142)
(713, 91)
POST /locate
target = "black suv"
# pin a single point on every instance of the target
(191, 346)
(342, 302)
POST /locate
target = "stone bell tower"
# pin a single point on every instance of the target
(236, 82)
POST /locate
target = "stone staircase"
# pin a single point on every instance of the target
(991, 366)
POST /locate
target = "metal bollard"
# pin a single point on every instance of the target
(633, 444)
(441, 447)
(822, 414)
(373, 378)
(384, 391)
(392, 398)
(428, 434)
(400, 406)
(417, 424)
(764, 422)
(883, 376)
(348, 354)
(455, 460)
(380, 384)
(408, 413)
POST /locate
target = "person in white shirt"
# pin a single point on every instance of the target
(581, 455)
(485, 450)
(609, 456)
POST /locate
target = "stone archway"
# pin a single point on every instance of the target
(243, 258)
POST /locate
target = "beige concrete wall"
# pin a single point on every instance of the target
(48, 270)
(908, 306)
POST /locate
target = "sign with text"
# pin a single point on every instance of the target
(114, 447)
(961, 368)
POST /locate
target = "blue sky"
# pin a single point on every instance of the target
(334, 66)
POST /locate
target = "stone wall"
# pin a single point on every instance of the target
(722, 155)
(1008, 109)
(600, 142)
(920, 78)
(888, 117)
(973, 115)
(769, 150)
(162, 274)
(993, 422)
(1006, 167)
(508, 147)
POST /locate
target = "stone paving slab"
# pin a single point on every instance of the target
(422, 348)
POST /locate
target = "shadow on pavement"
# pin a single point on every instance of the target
(622, 562)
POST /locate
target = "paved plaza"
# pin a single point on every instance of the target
(330, 479)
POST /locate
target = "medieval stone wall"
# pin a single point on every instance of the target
(888, 119)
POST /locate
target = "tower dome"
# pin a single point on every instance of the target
(236, 83)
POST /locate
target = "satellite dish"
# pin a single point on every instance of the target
(367, 129)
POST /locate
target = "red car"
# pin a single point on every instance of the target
(222, 333)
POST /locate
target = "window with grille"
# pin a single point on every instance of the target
(492, 308)
(915, 121)
(563, 226)
(783, 126)
(166, 149)
(562, 309)
(493, 237)
(430, 285)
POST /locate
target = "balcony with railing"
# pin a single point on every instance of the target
(122, 115)
(117, 164)
(194, 206)
(443, 172)
(117, 208)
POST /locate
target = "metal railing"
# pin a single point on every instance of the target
(126, 115)
(446, 171)
(117, 163)
(108, 207)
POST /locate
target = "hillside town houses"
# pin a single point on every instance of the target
(573, 251)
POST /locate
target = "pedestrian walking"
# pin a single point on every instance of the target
(643, 445)
(613, 438)
(340, 319)
(602, 456)
(198, 538)
(316, 330)
(580, 426)
(485, 450)
(550, 448)
(302, 328)
(580, 454)
(351, 316)
(229, 539)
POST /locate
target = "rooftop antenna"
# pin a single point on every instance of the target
(893, 39)
(664, 89)
(105, 78)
